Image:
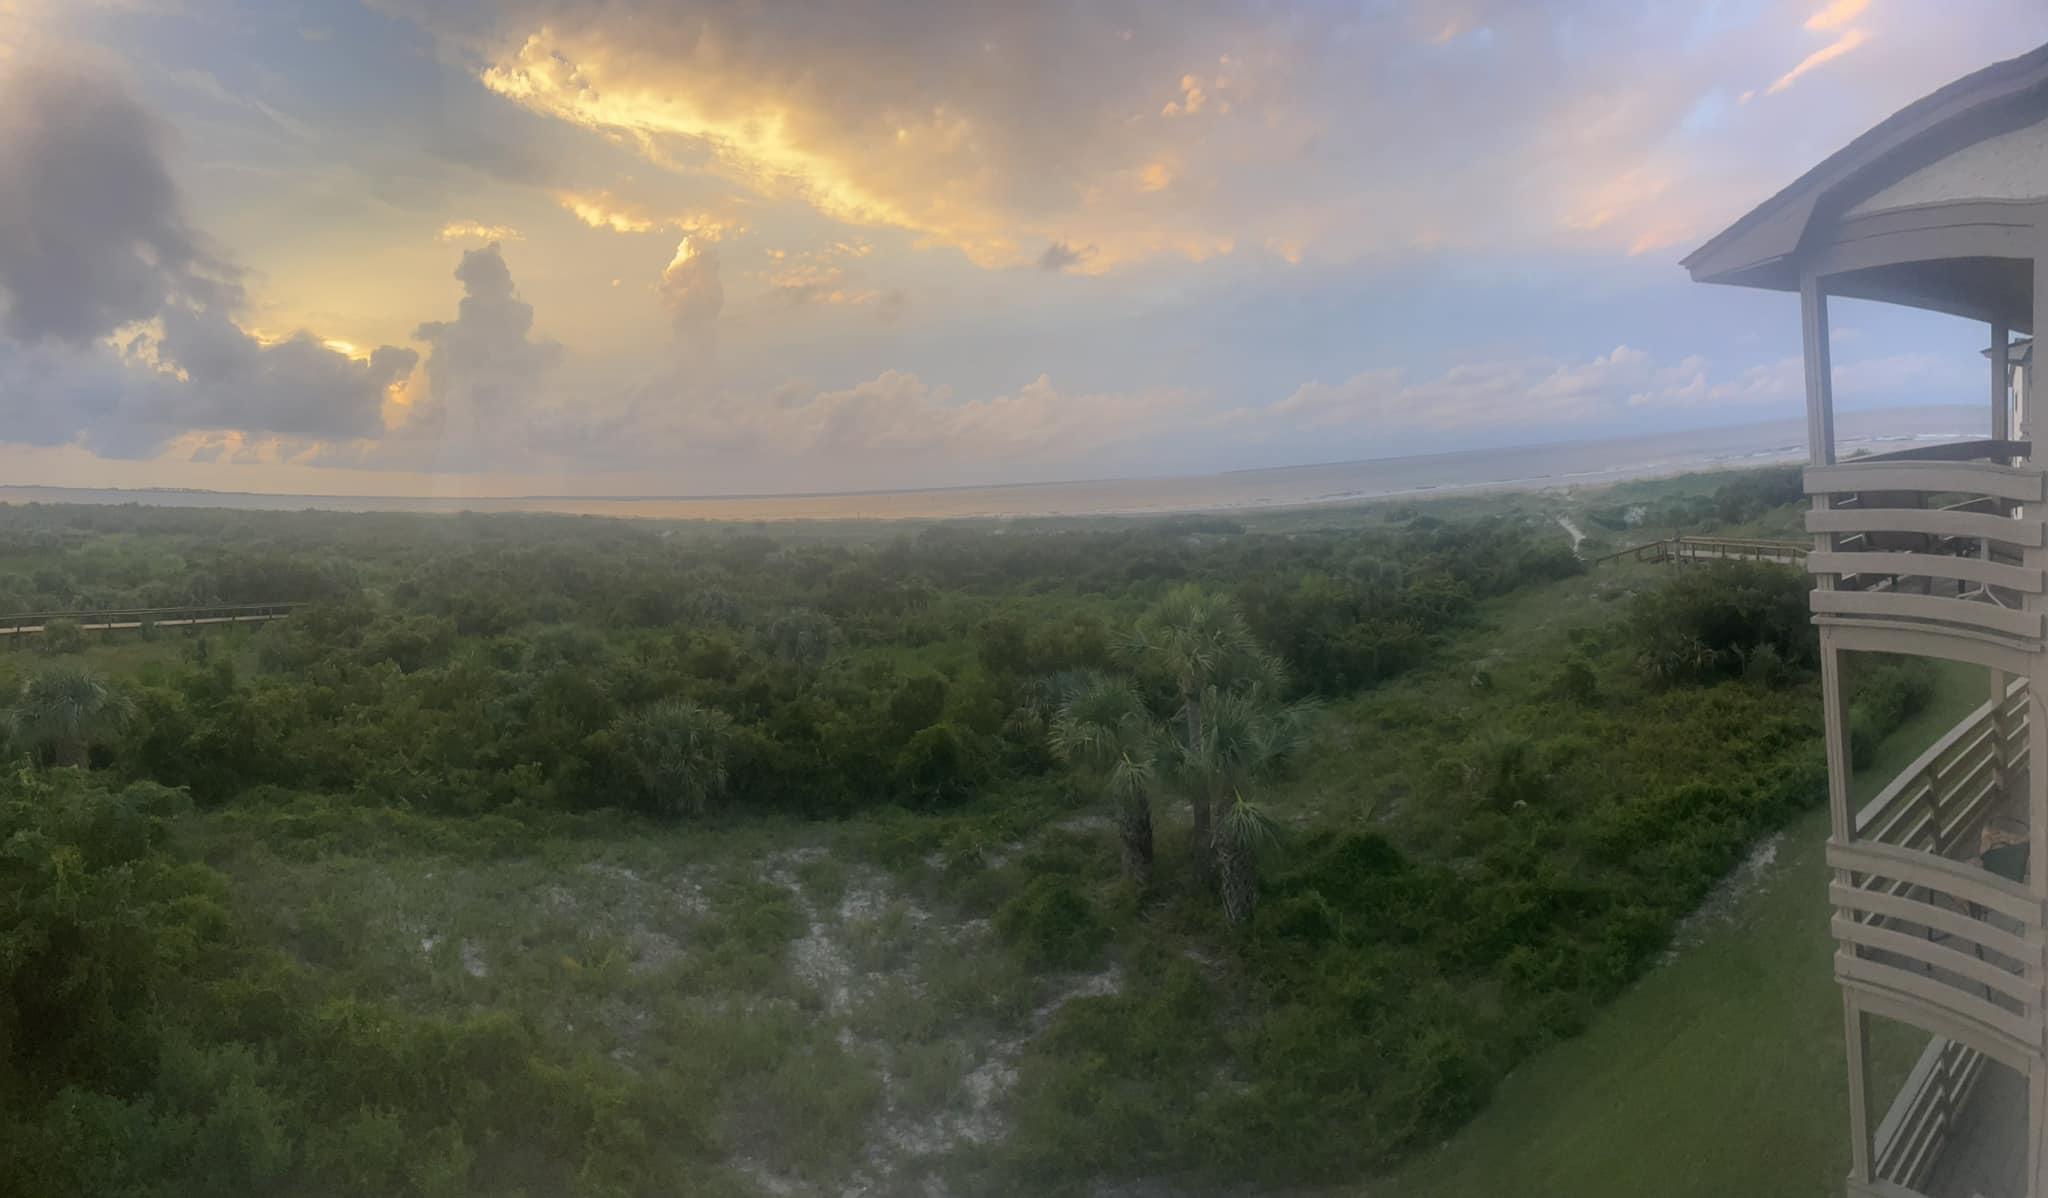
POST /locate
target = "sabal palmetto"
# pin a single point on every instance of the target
(1198, 641)
(1102, 727)
(678, 751)
(1248, 736)
(1243, 831)
(61, 712)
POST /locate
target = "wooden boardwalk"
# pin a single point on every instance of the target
(1700, 549)
(36, 622)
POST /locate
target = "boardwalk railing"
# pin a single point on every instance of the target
(1696, 549)
(24, 624)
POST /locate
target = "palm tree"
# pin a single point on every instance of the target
(800, 637)
(1196, 639)
(1102, 726)
(678, 751)
(63, 711)
(1248, 736)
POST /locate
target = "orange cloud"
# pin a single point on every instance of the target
(469, 230)
(965, 174)
(1836, 14)
(601, 210)
(1821, 57)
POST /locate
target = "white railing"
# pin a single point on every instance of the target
(1918, 1126)
(1921, 546)
(1923, 936)
(1938, 800)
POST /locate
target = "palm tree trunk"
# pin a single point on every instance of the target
(1204, 837)
(1238, 865)
(1200, 805)
(1135, 825)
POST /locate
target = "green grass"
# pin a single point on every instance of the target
(1720, 1073)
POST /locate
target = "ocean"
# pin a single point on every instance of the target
(1534, 467)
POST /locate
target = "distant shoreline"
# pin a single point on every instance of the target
(1534, 468)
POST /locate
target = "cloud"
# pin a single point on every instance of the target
(829, 275)
(1819, 58)
(484, 378)
(1837, 14)
(91, 235)
(983, 134)
(866, 434)
(602, 210)
(470, 230)
(1540, 393)
(691, 289)
(1059, 256)
(1159, 131)
(117, 318)
(295, 386)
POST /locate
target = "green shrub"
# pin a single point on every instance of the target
(1575, 682)
(61, 636)
(1705, 623)
(1053, 925)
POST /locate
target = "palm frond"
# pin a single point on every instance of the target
(1247, 826)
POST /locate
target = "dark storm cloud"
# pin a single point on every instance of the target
(94, 241)
(91, 236)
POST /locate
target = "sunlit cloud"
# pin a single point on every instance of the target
(1197, 94)
(829, 275)
(975, 173)
(1819, 58)
(470, 230)
(1837, 14)
(691, 288)
(600, 212)
(603, 210)
(1180, 212)
(750, 136)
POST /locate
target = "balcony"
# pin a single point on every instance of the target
(1937, 930)
(1934, 550)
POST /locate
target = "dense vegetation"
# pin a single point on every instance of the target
(1397, 859)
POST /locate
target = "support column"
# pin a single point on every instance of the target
(1834, 701)
(1859, 1092)
(1820, 437)
(1820, 372)
(2001, 430)
(2037, 813)
(2001, 384)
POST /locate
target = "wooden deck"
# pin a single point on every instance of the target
(1986, 1156)
(26, 624)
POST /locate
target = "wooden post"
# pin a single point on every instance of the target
(1835, 725)
(2001, 430)
(1859, 1095)
(2037, 1100)
(1820, 381)
(1820, 435)
(2037, 828)
(2001, 382)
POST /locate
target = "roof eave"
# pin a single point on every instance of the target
(1769, 233)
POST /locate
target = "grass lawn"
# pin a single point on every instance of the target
(1721, 1072)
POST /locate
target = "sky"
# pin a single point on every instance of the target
(655, 247)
